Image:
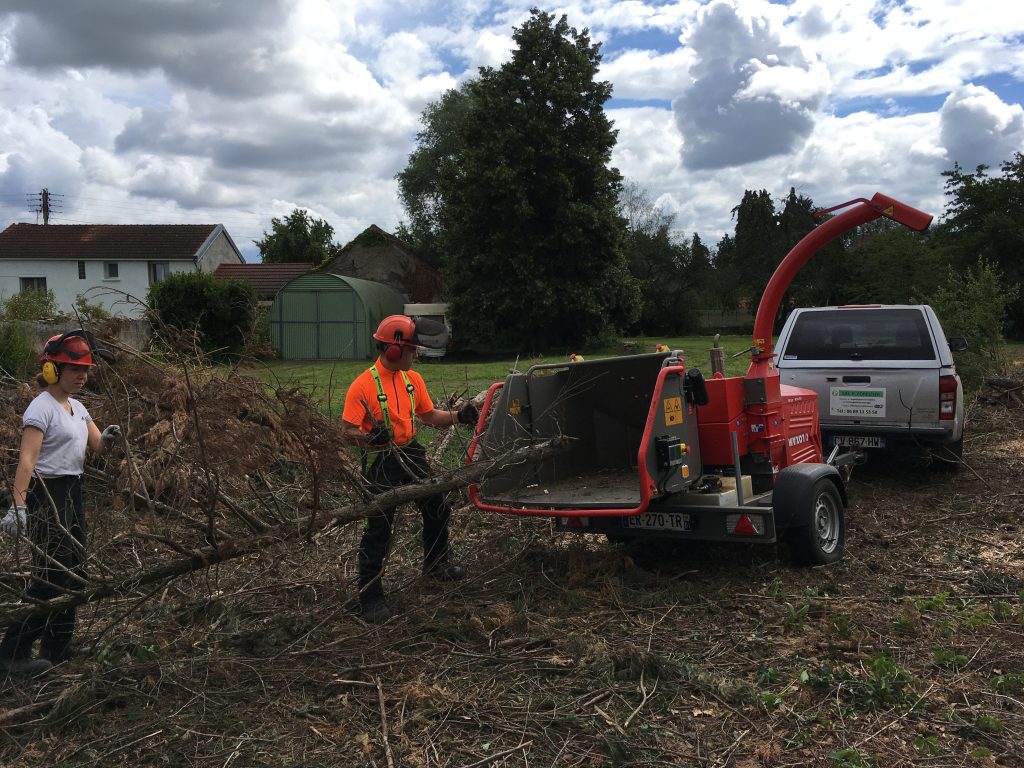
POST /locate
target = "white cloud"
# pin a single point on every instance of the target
(977, 128)
(183, 110)
(644, 74)
(733, 112)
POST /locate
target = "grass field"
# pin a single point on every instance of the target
(328, 380)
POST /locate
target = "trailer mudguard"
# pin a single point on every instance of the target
(792, 496)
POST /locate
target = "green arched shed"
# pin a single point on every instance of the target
(320, 316)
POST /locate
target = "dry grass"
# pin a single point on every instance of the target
(563, 651)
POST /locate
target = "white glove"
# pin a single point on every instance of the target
(15, 519)
(110, 434)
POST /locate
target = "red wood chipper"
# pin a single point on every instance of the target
(659, 450)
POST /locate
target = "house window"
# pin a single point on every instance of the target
(81, 270)
(33, 284)
(110, 270)
(158, 270)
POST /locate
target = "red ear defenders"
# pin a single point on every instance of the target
(393, 353)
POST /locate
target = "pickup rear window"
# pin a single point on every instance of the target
(862, 334)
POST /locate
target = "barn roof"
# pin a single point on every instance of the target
(267, 279)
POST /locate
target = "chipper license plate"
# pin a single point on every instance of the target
(659, 521)
(859, 441)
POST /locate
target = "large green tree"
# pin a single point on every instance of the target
(297, 238)
(512, 177)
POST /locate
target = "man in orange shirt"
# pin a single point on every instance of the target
(379, 409)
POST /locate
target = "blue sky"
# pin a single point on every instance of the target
(192, 111)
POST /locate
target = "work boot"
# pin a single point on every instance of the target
(445, 572)
(374, 611)
(27, 667)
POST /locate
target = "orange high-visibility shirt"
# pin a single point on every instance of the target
(364, 390)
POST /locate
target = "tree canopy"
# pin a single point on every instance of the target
(511, 184)
(661, 262)
(297, 238)
(985, 219)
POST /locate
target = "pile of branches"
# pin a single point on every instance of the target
(212, 466)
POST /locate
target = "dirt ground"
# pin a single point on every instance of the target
(567, 651)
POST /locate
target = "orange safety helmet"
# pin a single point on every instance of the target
(397, 329)
(68, 349)
(71, 348)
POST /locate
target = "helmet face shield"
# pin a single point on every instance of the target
(429, 333)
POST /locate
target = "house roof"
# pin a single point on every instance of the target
(377, 255)
(145, 242)
(267, 279)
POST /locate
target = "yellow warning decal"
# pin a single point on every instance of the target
(515, 407)
(673, 411)
(888, 211)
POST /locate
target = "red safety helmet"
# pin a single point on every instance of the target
(68, 349)
(397, 329)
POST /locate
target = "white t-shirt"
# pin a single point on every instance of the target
(65, 435)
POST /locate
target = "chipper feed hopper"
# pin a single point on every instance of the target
(660, 450)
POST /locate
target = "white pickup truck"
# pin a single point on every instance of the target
(884, 376)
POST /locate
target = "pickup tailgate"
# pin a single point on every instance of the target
(875, 368)
(871, 394)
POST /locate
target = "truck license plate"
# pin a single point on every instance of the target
(858, 441)
(663, 521)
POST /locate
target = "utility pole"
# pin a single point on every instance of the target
(44, 205)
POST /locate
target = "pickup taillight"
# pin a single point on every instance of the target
(947, 397)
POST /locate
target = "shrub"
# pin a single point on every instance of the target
(260, 345)
(31, 306)
(973, 305)
(18, 358)
(88, 312)
(221, 313)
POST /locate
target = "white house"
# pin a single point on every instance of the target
(110, 264)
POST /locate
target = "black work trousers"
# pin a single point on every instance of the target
(56, 526)
(391, 469)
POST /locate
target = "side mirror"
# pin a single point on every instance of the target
(957, 344)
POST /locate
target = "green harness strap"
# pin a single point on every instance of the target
(383, 399)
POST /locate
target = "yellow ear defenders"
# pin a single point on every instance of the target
(51, 373)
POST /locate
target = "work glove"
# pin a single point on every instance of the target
(379, 435)
(15, 519)
(468, 414)
(110, 434)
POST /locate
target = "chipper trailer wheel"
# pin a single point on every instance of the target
(822, 541)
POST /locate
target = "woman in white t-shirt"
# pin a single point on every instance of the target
(47, 499)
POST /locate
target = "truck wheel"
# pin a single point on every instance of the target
(946, 458)
(821, 542)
